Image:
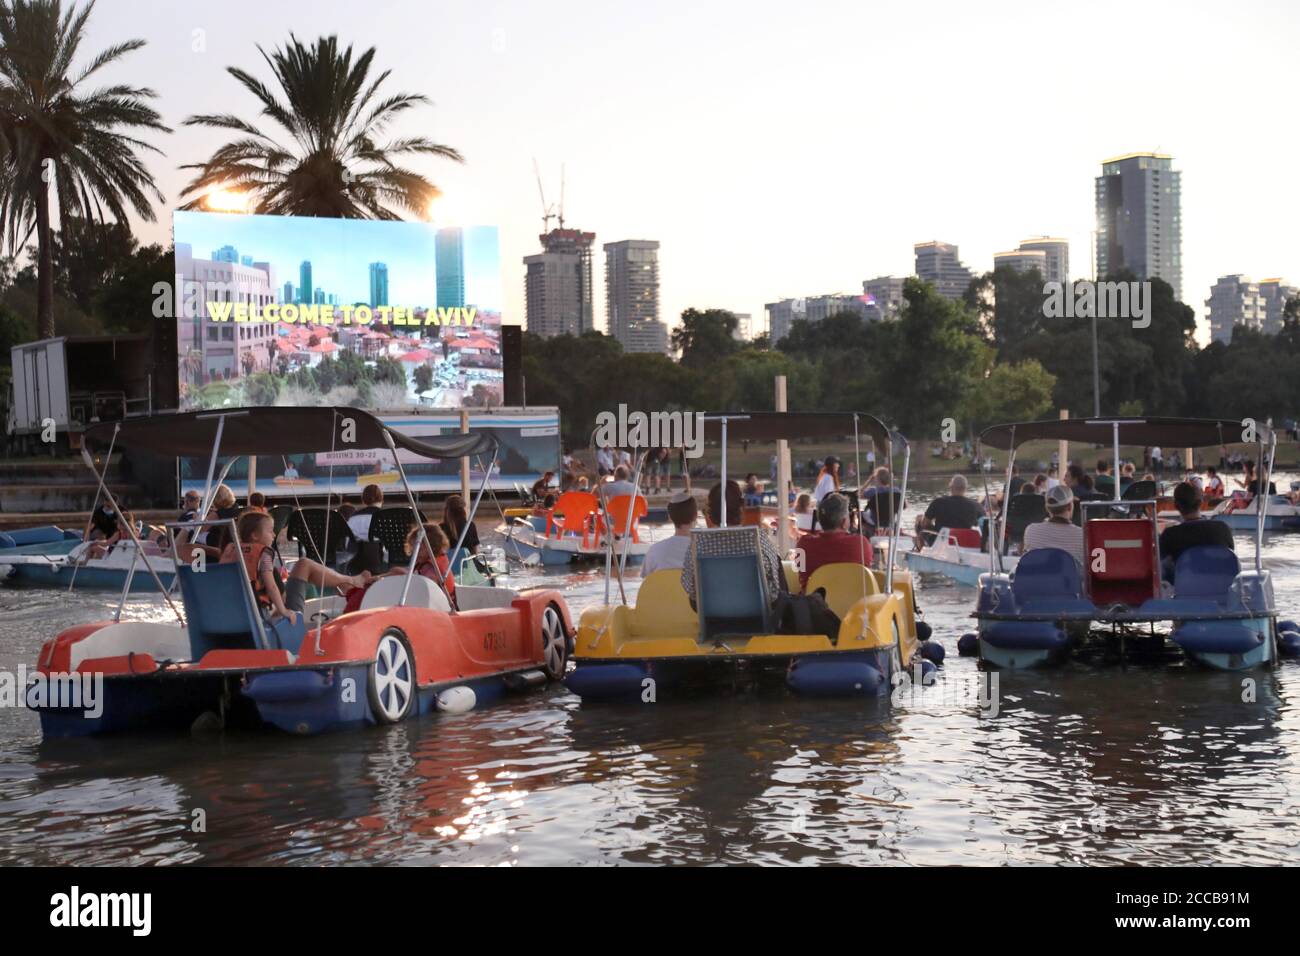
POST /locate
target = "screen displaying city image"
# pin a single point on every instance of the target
(528, 446)
(287, 310)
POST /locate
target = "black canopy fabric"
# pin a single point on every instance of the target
(772, 426)
(1169, 432)
(273, 431)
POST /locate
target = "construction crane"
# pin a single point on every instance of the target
(548, 211)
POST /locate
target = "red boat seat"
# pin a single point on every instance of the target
(964, 538)
(1129, 573)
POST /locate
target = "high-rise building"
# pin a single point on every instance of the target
(632, 295)
(1022, 260)
(1056, 252)
(288, 292)
(782, 315)
(1234, 300)
(226, 254)
(318, 297)
(378, 284)
(937, 262)
(886, 292)
(449, 251)
(744, 332)
(1275, 294)
(558, 294)
(1139, 219)
(245, 260)
(304, 283)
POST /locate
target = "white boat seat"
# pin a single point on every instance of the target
(387, 592)
(476, 597)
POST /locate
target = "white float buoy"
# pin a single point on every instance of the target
(457, 700)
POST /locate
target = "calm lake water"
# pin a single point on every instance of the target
(1089, 763)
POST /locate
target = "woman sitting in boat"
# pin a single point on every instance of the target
(735, 502)
(455, 519)
(803, 512)
(1058, 530)
(121, 533)
(833, 544)
(282, 598)
(753, 491)
(1213, 487)
(828, 480)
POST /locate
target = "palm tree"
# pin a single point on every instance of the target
(54, 132)
(336, 161)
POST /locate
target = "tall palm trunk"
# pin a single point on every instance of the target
(44, 264)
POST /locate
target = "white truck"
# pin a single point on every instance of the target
(63, 384)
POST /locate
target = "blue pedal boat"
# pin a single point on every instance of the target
(1218, 613)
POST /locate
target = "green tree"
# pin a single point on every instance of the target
(1009, 393)
(423, 378)
(56, 135)
(336, 159)
(705, 337)
(928, 358)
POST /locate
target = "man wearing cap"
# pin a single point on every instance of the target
(670, 553)
(833, 544)
(1058, 531)
(829, 480)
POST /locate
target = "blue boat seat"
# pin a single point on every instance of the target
(1048, 580)
(730, 586)
(1203, 580)
(1206, 571)
(220, 614)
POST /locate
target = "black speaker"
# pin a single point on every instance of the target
(165, 369)
(512, 364)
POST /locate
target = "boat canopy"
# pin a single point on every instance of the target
(773, 426)
(1169, 432)
(273, 430)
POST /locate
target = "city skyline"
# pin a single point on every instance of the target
(727, 212)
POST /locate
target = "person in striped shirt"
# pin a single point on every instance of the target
(1058, 531)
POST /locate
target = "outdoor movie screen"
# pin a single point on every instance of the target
(288, 310)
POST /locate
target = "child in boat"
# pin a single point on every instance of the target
(257, 502)
(432, 563)
(283, 598)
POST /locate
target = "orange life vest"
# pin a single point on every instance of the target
(251, 554)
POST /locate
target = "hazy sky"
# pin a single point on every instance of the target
(779, 149)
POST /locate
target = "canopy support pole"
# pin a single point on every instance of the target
(1114, 460)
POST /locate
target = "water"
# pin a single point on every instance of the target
(1084, 764)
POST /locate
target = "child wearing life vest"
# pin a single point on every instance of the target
(256, 549)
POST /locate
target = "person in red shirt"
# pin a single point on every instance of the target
(833, 544)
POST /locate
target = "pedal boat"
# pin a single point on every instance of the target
(404, 652)
(1218, 613)
(660, 645)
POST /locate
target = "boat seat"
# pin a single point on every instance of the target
(47, 534)
(1046, 580)
(387, 592)
(616, 519)
(471, 597)
(662, 607)
(1203, 579)
(963, 537)
(731, 589)
(1022, 511)
(220, 614)
(573, 513)
(1131, 575)
(845, 582)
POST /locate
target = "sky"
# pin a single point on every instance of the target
(779, 149)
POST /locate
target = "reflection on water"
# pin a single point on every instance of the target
(1084, 764)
